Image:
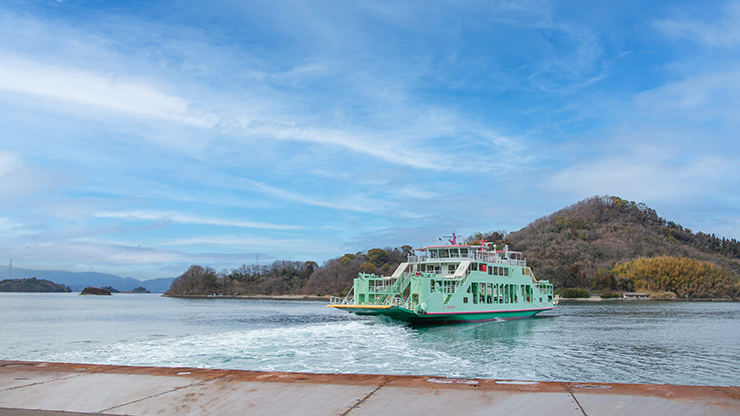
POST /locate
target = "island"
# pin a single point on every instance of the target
(140, 289)
(31, 285)
(95, 291)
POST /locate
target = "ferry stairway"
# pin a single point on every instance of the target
(397, 288)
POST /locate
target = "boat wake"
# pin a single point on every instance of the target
(357, 346)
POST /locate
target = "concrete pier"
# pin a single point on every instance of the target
(41, 389)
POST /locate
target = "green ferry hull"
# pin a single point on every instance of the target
(403, 314)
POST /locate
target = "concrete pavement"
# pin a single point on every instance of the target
(45, 389)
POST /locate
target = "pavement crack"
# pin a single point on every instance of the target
(51, 380)
(363, 399)
(161, 393)
(567, 387)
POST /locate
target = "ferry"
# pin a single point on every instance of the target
(450, 284)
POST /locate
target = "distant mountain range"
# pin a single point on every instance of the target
(80, 280)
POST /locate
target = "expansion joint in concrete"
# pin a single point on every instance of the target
(50, 380)
(359, 402)
(161, 393)
(567, 387)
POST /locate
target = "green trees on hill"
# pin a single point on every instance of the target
(279, 277)
(31, 285)
(289, 277)
(687, 278)
(575, 246)
(336, 275)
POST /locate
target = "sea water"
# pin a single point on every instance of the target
(632, 342)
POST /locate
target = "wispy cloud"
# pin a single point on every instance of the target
(717, 32)
(10, 228)
(19, 179)
(107, 91)
(190, 219)
(645, 175)
(233, 241)
(712, 96)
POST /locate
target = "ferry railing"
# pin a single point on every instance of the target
(474, 256)
(395, 301)
(336, 300)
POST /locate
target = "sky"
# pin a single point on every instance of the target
(140, 137)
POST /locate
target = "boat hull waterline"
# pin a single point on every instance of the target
(403, 314)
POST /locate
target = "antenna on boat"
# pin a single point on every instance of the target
(453, 237)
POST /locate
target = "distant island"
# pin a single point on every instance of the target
(80, 280)
(603, 245)
(31, 285)
(140, 289)
(95, 291)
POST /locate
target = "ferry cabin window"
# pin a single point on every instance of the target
(444, 253)
(490, 270)
(506, 271)
(433, 254)
(474, 266)
(463, 252)
(482, 267)
(451, 269)
(465, 300)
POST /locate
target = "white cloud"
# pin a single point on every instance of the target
(723, 32)
(230, 240)
(350, 204)
(394, 153)
(107, 91)
(19, 179)
(708, 96)
(10, 228)
(8, 163)
(644, 175)
(190, 219)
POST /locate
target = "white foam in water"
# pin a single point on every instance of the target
(340, 347)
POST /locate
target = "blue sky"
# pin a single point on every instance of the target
(141, 137)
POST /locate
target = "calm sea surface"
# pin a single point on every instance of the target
(647, 342)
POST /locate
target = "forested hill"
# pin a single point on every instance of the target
(31, 285)
(585, 245)
(289, 277)
(575, 246)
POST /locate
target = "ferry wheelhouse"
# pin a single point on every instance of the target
(452, 283)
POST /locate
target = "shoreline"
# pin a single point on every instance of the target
(313, 298)
(626, 300)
